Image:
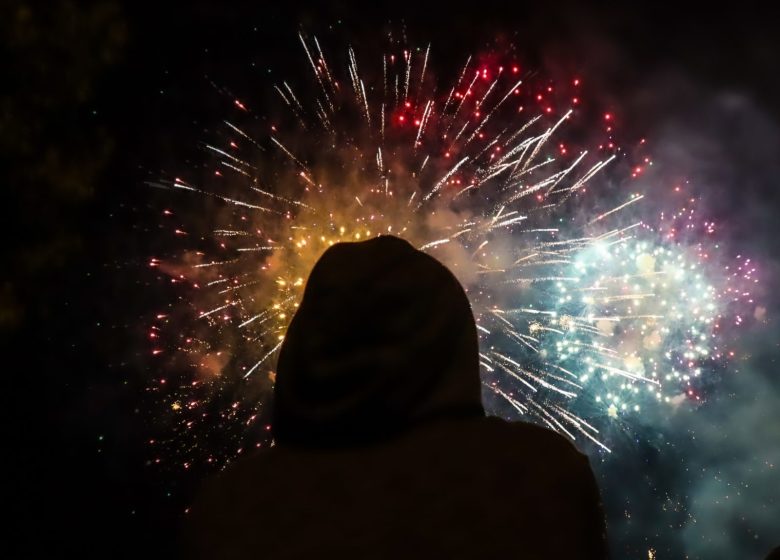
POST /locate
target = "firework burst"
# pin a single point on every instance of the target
(588, 311)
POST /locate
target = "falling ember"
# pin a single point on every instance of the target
(586, 317)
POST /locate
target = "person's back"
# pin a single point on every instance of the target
(383, 450)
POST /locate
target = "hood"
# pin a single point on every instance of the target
(384, 339)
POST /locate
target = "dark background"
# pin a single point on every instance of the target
(97, 97)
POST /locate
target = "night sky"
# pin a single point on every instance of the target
(99, 97)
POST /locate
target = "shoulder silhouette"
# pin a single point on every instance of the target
(382, 446)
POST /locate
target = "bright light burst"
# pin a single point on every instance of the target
(589, 311)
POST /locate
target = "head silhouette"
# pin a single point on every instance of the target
(384, 339)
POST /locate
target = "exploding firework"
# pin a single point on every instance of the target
(588, 311)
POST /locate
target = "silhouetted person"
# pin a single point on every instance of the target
(774, 554)
(382, 447)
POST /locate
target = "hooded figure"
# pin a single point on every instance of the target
(382, 447)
